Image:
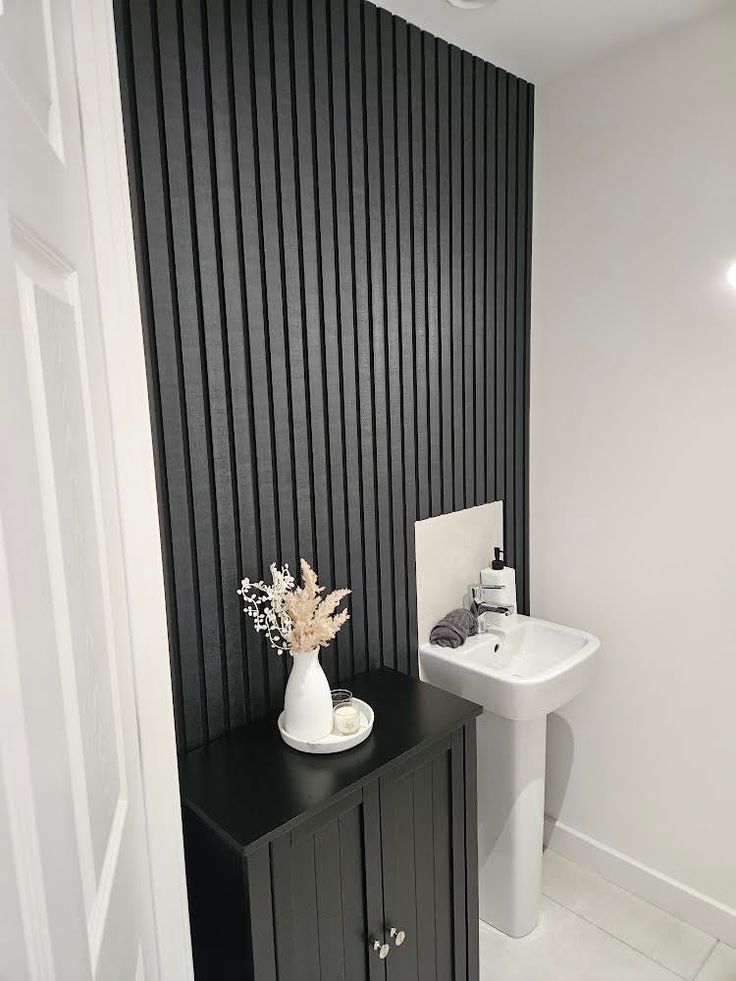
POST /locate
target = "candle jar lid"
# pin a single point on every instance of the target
(341, 696)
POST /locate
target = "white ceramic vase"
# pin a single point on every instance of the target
(307, 700)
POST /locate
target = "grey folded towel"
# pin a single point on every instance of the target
(454, 628)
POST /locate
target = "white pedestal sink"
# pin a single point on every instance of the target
(519, 673)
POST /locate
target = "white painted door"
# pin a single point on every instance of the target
(75, 881)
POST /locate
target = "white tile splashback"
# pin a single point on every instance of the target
(451, 549)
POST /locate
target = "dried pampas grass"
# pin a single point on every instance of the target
(314, 622)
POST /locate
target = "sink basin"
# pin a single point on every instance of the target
(524, 671)
(520, 672)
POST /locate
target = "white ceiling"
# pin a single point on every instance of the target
(540, 39)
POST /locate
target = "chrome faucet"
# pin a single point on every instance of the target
(485, 599)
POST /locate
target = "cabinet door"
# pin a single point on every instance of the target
(427, 882)
(326, 892)
(416, 834)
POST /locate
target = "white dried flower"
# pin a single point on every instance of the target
(265, 604)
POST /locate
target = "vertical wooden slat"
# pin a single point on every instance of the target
(499, 442)
(398, 657)
(491, 300)
(415, 360)
(520, 346)
(432, 196)
(509, 494)
(419, 371)
(526, 328)
(480, 213)
(355, 653)
(376, 272)
(409, 336)
(468, 258)
(457, 273)
(445, 275)
(332, 213)
(364, 363)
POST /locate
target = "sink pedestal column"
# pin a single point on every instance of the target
(511, 766)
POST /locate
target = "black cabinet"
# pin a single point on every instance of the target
(297, 865)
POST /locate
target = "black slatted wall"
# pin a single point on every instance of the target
(333, 212)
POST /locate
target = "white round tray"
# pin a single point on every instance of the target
(335, 742)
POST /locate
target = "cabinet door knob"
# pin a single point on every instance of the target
(398, 936)
(382, 949)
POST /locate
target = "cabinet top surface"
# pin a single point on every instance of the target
(249, 785)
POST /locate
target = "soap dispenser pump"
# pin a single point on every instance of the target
(501, 577)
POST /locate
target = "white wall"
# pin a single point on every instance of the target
(633, 458)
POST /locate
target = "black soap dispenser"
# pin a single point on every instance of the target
(501, 578)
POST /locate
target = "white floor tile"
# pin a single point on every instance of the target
(676, 945)
(564, 947)
(720, 966)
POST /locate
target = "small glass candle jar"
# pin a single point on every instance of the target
(347, 718)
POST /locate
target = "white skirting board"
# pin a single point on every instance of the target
(703, 912)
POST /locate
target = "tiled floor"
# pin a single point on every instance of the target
(591, 930)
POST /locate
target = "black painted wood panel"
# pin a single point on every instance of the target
(442, 866)
(218, 904)
(332, 213)
(471, 847)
